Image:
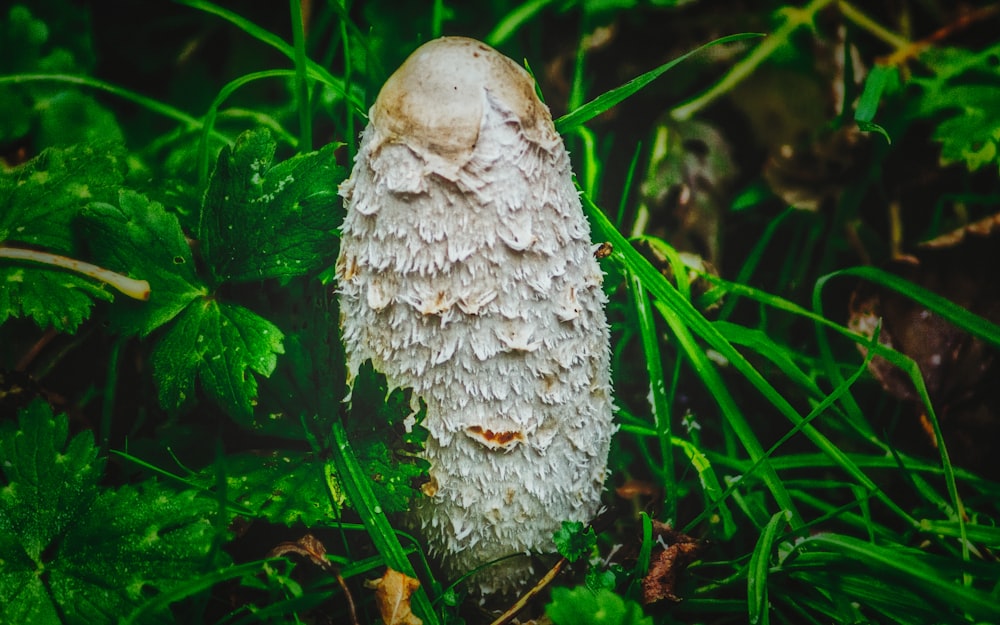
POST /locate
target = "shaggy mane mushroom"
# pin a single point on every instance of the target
(466, 272)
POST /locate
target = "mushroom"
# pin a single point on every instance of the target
(466, 273)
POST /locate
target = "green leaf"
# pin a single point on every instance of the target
(71, 553)
(879, 79)
(284, 486)
(384, 441)
(140, 237)
(262, 221)
(221, 345)
(49, 297)
(581, 606)
(40, 199)
(38, 202)
(572, 542)
(964, 93)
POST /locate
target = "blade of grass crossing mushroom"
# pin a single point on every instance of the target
(609, 99)
(359, 492)
(758, 568)
(658, 401)
(682, 318)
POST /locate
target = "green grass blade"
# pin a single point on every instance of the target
(710, 484)
(301, 85)
(910, 569)
(315, 70)
(757, 570)
(946, 309)
(683, 319)
(510, 23)
(609, 99)
(359, 492)
(659, 404)
(988, 536)
(208, 121)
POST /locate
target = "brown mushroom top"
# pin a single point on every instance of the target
(435, 101)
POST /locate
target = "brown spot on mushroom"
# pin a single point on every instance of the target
(494, 440)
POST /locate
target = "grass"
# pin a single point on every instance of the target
(745, 408)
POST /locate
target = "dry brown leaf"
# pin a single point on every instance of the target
(392, 596)
(308, 547)
(673, 553)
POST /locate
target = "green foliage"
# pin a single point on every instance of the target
(573, 543)
(39, 203)
(221, 345)
(261, 221)
(284, 487)
(142, 237)
(582, 606)
(55, 116)
(73, 552)
(385, 433)
(964, 93)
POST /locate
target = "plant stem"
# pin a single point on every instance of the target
(794, 18)
(301, 86)
(862, 21)
(136, 289)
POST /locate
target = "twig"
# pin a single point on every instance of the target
(136, 289)
(519, 605)
(911, 51)
(349, 596)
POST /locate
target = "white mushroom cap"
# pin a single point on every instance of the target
(434, 101)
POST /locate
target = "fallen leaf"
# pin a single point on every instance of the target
(959, 370)
(308, 547)
(392, 596)
(673, 553)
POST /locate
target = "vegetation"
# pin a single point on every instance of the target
(798, 240)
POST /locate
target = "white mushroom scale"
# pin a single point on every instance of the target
(466, 273)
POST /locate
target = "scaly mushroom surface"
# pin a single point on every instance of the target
(466, 272)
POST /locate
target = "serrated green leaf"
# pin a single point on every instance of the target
(71, 553)
(964, 93)
(222, 345)
(40, 199)
(50, 297)
(48, 482)
(572, 542)
(284, 486)
(267, 221)
(38, 202)
(141, 238)
(582, 606)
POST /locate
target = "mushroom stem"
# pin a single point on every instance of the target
(136, 289)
